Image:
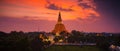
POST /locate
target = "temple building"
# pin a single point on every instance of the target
(59, 27)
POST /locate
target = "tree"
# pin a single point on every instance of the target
(37, 44)
(57, 38)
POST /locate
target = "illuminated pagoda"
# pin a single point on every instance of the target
(59, 27)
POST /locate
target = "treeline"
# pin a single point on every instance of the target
(21, 41)
(102, 40)
(30, 41)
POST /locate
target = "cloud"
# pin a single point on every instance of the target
(34, 18)
(48, 9)
(84, 5)
(80, 8)
(55, 7)
(87, 3)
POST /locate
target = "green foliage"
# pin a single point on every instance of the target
(72, 48)
(57, 38)
(19, 41)
(76, 36)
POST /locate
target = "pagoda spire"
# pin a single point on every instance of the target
(59, 17)
(59, 27)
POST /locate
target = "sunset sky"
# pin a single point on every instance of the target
(41, 15)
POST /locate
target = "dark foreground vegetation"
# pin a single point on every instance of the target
(73, 48)
(30, 41)
(20, 41)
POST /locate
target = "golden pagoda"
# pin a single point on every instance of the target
(59, 27)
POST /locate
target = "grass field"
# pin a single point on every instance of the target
(72, 48)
